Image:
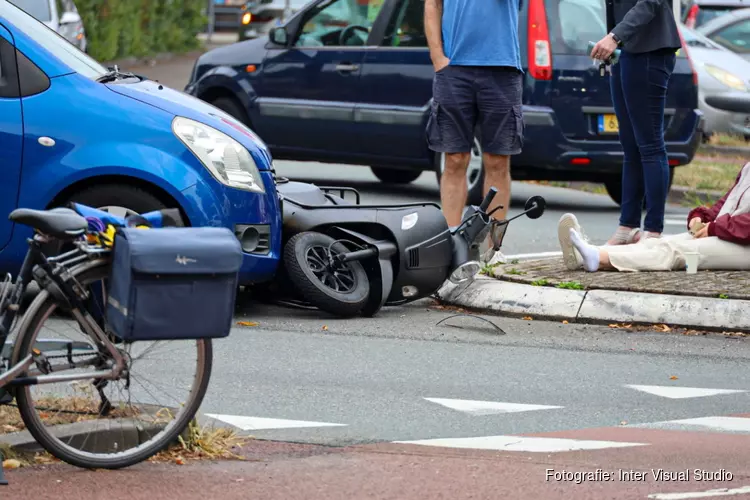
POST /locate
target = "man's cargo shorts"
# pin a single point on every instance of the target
(476, 101)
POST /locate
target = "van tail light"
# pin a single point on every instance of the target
(687, 56)
(692, 16)
(539, 47)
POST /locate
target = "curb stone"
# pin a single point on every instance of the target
(724, 150)
(598, 306)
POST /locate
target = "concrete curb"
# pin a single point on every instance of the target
(724, 150)
(598, 306)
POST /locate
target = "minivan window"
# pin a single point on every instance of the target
(52, 42)
(578, 23)
(38, 8)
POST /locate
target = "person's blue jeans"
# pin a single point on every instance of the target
(639, 92)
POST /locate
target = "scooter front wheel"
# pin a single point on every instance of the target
(341, 289)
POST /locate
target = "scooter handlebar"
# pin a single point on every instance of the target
(488, 200)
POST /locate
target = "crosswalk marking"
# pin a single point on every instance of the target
(719, 492)
(715, 424)
(487, 407)
(521, 443)
(258, 423)
(676, 392)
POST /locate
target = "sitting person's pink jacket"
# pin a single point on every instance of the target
(729, 217)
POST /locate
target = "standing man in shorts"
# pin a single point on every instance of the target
(476, 92)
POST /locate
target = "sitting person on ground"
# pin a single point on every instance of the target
(719, 234)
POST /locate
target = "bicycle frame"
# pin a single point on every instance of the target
(56, 277)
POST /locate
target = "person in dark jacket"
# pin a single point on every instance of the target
(648, 38)
(718, 234)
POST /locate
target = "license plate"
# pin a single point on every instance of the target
(608, 124)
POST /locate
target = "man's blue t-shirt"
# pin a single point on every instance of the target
(481, 32)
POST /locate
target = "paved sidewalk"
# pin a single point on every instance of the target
(544, 289)
(286, 471)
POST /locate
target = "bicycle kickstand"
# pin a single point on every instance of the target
(3, 481)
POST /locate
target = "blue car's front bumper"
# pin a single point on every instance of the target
(256, 216)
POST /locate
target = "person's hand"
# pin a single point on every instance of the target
(703, 232)
(693, 222)
(440, 62)
(604, 48)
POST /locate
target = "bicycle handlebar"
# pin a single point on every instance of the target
(157, 218)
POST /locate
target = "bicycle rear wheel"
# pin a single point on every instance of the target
(105, 425)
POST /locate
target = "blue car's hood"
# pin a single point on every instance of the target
(181, 104)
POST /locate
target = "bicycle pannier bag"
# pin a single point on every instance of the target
(173, 283)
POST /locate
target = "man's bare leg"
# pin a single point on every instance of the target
(453, 189)
(497, 175)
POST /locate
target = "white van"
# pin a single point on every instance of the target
(60, 15)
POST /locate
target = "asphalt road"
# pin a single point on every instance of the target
(372, 376)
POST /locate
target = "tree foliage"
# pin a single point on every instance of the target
(122, 28)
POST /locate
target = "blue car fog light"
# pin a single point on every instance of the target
(254, 238)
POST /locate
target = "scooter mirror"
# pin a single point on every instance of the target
(534, 207)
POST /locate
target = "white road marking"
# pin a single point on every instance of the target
(487, 407)
(528, 256)
(521, 443)
(674, 392)
(720, 492)
(705, 424)
(676, 222)
(259, 423)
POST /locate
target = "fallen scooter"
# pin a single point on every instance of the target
(351, 259)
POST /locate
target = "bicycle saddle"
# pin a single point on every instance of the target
(61, 223)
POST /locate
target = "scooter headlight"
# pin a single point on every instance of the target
(464, 272)
(227, 160)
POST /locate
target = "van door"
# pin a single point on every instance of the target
(11, 134)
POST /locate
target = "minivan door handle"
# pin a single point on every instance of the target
(346, 67)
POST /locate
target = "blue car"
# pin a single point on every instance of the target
(73, 131)
(350, 81)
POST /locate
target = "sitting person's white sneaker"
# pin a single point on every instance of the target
(571, 257)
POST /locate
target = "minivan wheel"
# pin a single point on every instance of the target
(395, 176)
(614, 187)
(474, 174)
(230, 106)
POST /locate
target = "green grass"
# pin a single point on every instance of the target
(728, 140)
(723, 296)
(513, 270)
(709, 173)
(541, 282)
(571, 285)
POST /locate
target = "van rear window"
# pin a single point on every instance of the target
(575, 23)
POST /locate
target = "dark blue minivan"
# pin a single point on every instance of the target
(350, 81)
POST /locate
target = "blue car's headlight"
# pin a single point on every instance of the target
(227, 160)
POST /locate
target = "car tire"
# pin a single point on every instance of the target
(474, 174)
(230, 106)
(112, 196)
(395, 176)
(614, 187)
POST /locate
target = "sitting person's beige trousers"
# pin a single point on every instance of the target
(667, 254)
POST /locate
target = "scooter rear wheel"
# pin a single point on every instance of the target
(341, 290)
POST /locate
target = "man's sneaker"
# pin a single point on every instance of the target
(572, 259)
(489, 249)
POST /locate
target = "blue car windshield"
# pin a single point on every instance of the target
(58, 46)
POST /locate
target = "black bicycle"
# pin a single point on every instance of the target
(87, 397)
